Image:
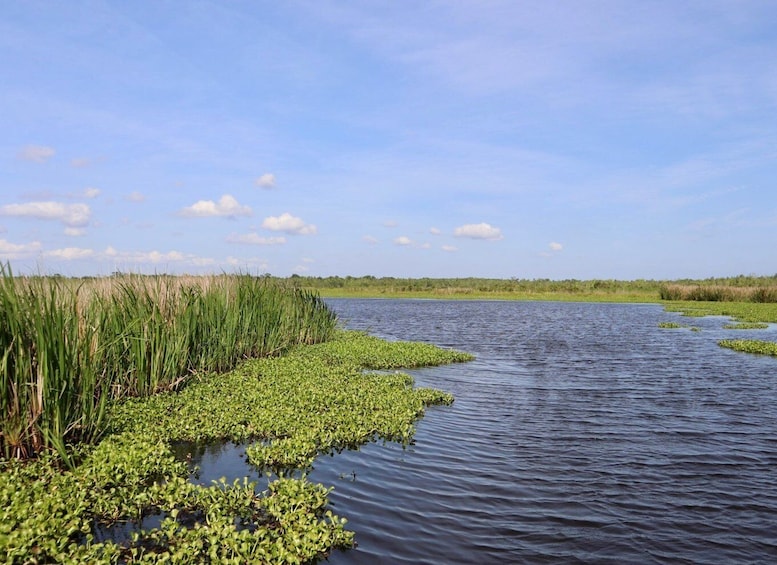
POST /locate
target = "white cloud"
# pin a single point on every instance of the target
(478, 231)
(74, 232)
(91, 192)
(390, 224)
(135, 197)
(426, 245)
(69, 253)
(10, 250)
(73, 215)
(267, 180)
(370, 239)
(555, 246)
(226, 207)
(255, 239)
(36, 153)
(434, 231)
(403, 240)
(289, 224)
(449, 248)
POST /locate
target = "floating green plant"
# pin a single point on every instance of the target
(746, 326)
(670, 325)
(750, 346)
(316, 399)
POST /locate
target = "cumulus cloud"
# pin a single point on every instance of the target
(69, 253)
(36, 153)
(72, 215)
(226, 207)
(434, 231)
(555, 246)
(267, 181)
(10, 250)
(478, 231)
(135, 196)
(255, 239)
(403, 240)
(289, 224)
(449, 248)
(370, 239)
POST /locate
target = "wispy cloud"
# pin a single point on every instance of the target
(370, 239)
(449, 248)
(135, 196)
(80, 162)
(91, 192)
(478, 231)
(403, 240)
(69, 253)
(226, 207)
(72, 215)
(554, 246)
(36, 153)
(255, 239)
(289, 224)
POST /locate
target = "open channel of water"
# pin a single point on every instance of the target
(583, 433)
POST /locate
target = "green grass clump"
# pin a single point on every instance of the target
(316, 399)
(750, 346)
(68, 348)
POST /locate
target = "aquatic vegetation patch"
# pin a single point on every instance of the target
(746, 326)
(49, 515)
(670, 325)
(750, 346)
(316, 399)
(675, 325)
(740, 311)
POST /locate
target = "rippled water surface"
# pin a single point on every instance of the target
(583, 433)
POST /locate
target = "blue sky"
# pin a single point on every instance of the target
(569, 139)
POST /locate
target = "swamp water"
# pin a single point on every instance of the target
(583, 433)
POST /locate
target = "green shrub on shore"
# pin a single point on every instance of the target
(69, 347)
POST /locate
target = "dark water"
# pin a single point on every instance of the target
(583, 433)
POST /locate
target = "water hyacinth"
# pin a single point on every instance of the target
(313, 400)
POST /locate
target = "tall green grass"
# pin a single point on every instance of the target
(69, 347)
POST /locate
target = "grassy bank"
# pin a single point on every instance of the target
(68, 347)
(740, 288)
(315, 399)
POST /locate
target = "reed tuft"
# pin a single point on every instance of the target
(68, 347)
